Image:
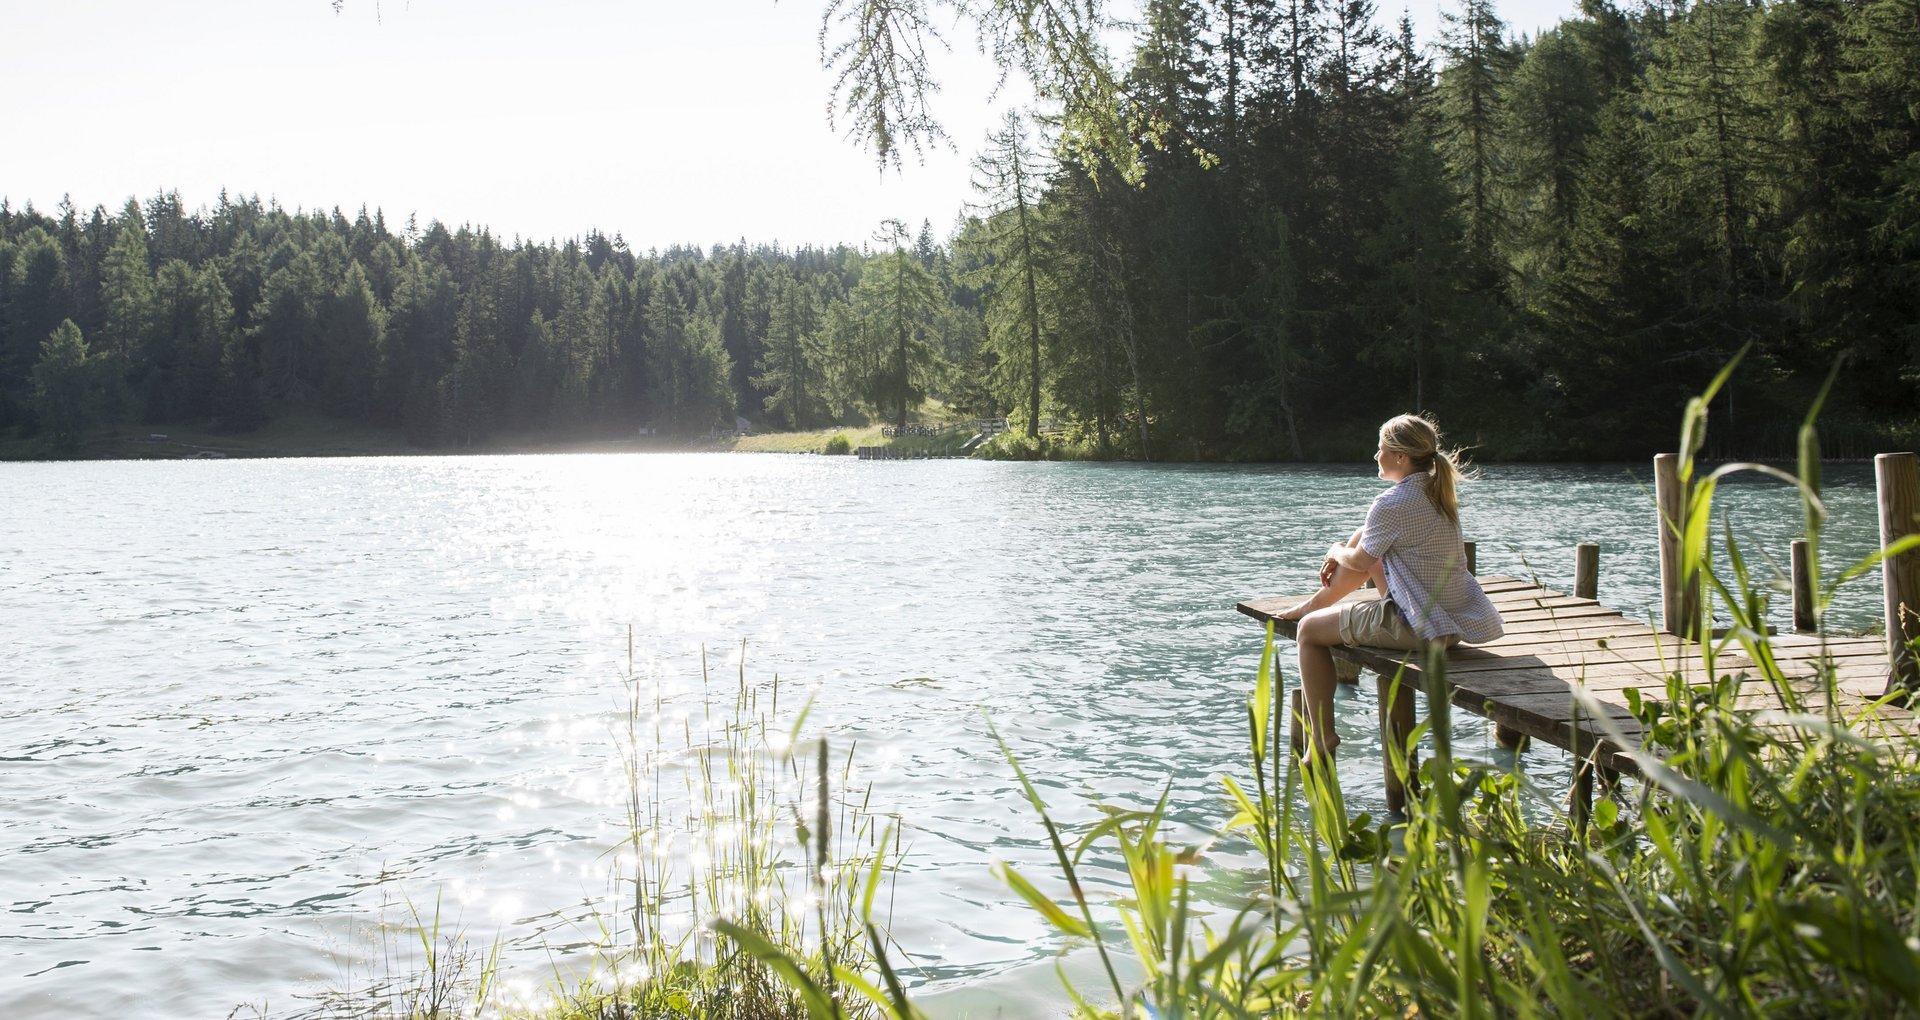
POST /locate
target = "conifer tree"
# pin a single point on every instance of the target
(885, 339)
(1553, 100)
(1008, 176)
(1473, 88)
(66, 384)
(1414, 305)
(790, 365)
(1700, 93)
(287, 329)
(352, 330)
(692, 374)
(35, 301)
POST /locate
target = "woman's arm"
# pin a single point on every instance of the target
(1330, 564)
(1352, 557)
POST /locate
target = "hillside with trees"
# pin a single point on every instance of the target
(1313, 222)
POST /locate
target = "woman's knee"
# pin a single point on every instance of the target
(1320, 627)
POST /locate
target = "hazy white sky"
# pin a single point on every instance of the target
(667, 121)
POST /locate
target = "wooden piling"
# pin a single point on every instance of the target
(1580, 797)
(1473, 562)
(1803, 621)
(1679, 610)
(1586, 570)
(1897, 479)
(1346, 671)
(1396, 722)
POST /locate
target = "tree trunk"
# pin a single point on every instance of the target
(1033, 301)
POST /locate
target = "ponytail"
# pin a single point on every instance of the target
(1442, 485)
(1419, 438)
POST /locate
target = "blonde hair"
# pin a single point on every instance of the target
(1417, 437)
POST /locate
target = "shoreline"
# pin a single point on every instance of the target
(314, 436)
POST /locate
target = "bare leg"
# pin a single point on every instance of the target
(1318, 633)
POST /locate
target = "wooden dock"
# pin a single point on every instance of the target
(1567, 666)
(1559, 646)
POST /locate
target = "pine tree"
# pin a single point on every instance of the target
(691, 372)
(790, 367)
(66, 384)
(352, 331)
(890, 360)
(1008, 177)
(1618, 306)
(1472, 94)
(1414, 306)
(1698, 91)
(1552, 102)
(35, 301)
(287, 330)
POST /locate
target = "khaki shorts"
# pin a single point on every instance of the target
(1380, 624)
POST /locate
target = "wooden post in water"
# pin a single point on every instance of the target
(1473, 562)
(1586, 570)
(1897, 478)
(1803, 621)
(1346, 671)
(1679, 610)
(1396, 722)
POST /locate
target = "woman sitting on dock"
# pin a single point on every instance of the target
(1410, 546)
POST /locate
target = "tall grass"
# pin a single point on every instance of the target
(746, 886)
(1768, 864)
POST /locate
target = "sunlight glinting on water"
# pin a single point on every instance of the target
(262, 713)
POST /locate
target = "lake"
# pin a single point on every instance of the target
(253, 708)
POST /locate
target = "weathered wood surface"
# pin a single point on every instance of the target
(1558, 645)
(1897, 481)
(1678, 607)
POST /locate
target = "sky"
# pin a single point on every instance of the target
(665, 121)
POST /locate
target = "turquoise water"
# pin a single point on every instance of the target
(252, 706)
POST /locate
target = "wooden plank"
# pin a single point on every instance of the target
(1632, 655)
(1467, 659)
(1597, 639)
(1549, 622)
(1520, 602)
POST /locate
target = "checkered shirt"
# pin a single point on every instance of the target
(1426, 565)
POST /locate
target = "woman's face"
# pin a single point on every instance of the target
(1393, 466)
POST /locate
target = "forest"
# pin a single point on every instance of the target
(1318, 221)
